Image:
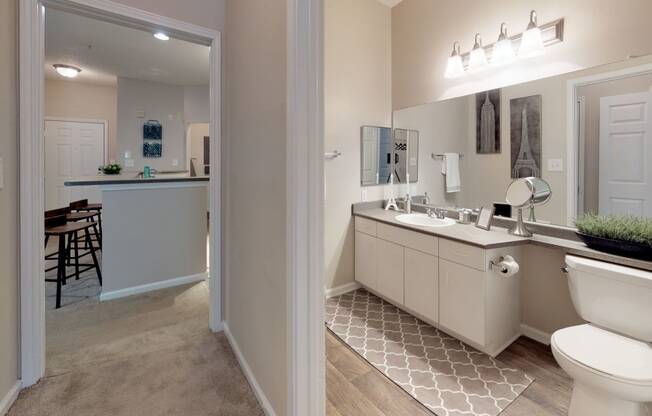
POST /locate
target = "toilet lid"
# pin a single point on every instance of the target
(606, 352)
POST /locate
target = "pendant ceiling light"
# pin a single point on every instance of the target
(477, 58)
(455, 67)
(502, 52)
(531, 42)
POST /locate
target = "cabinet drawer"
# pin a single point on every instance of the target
(365, 226)
(406, 238)
(464, 254)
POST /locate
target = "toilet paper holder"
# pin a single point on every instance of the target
(496, 263)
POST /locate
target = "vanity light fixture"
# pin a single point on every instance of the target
(161, 36)
(531, 41)
(455, 66)
(502, 52)
(67, 71)
(478, 58)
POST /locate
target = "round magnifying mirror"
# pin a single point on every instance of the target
(519, 193)
(541, 192)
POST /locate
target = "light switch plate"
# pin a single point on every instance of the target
(555, 165)
(175, 162)
(140, 114)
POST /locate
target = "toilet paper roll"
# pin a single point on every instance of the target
(508, 266)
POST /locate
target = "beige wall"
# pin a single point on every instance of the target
(254, 210)
(69, 99)
(592, 94)
(423, 31)
(357, 89)
(9, 213)
(196, 134)
(207, 13)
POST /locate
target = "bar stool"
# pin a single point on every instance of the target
(82, 205)
(58, 226)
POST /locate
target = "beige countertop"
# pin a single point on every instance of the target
(465, 233)
(499, 237)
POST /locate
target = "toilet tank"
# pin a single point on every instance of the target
(614, 297)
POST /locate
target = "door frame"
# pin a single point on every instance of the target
(305, 208)
(31, 121)
(572, 132)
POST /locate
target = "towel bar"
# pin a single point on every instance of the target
(434, 156)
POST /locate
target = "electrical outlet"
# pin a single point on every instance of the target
(129, 163)
(364, 195)
(555, 165)
(175, 162)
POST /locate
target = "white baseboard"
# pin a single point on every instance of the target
(258, 391)
(342, 289)
(10, 398)
(150, 287)
(535, 334)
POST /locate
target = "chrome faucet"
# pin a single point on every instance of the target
(426, 198)
(436, 213)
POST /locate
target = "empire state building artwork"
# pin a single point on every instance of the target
(525, 134)
(487, 110)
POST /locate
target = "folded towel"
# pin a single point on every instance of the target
(451, 168)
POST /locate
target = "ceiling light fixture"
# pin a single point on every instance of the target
(502, 51)
(67, 71)
(531, 41)
(161, 36)
(478, 57)
(455, 66)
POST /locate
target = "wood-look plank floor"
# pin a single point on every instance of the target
(355, 388)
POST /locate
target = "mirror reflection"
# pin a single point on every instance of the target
(584, 138)
(384, 154)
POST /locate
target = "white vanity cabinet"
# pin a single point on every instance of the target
(449, 284)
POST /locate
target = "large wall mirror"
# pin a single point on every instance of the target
(587, 133)
(386, 152)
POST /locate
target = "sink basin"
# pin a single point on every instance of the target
(424, 220)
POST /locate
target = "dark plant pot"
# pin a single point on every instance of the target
(619, 247)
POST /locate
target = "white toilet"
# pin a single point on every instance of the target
(610, 358)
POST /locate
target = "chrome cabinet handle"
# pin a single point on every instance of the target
(564, 270)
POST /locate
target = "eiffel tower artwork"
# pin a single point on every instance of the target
(526, 136)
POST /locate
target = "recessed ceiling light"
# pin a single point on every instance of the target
(67, 71)
(161, 36)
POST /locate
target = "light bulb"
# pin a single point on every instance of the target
(531, 41)
(502, 52)
(454, 67)
(161, 36)
(477, 57)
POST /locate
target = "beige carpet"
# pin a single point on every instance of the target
(145, 355)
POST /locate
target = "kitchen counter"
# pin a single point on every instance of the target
(499, 237)
(132, 178)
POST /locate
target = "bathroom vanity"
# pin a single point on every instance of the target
(442, 275)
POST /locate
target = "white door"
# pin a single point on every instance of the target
(73, 150)
(626, 154)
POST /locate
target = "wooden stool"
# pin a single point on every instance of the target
(82, 206)
(58, 226)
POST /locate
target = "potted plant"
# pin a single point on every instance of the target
(624, 235)
(111, 169)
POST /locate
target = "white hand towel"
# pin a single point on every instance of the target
(451, 168)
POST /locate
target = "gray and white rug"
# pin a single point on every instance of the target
(447, 376)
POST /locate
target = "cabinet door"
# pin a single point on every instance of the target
(422, 284)
(390, 271)
(366, 266)
(462, 300)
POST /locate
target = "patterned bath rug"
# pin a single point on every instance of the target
(447, 376)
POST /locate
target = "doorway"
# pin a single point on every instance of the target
(33, 148)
